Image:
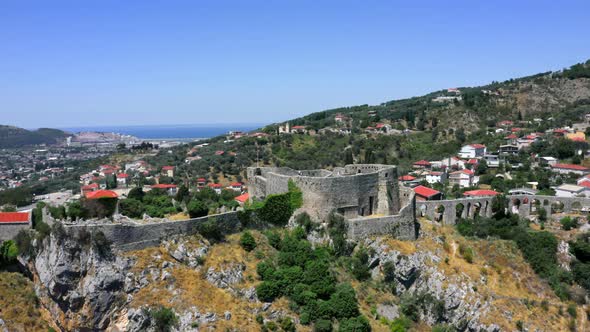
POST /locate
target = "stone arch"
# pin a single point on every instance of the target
(477, 209)
(439, 213)
(459, 209)
(423, 209)
(576, 206)
(535, 206)
(515, 205)
(487, 208)
(557, 207)
(545, 202)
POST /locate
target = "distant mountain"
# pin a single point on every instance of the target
(14, 137)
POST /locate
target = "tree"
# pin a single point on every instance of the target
(343, 302)
(8, 252)
(482, 167)
(136, 193)
(247, 241)
(132, 208)
(356, 324)
(196, 209)
(182, 194)
(164, 318)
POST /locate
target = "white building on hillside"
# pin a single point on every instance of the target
(472, 151)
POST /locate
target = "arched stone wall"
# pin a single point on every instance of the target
(449, 216)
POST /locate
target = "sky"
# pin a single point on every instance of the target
(112, 62)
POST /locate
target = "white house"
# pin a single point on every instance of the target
(451, 162)
(435, 177)
(472, 151)
(464, 178)
(570, 168)
(285, 128)
(492, 160)
(122, 179)
(570, 190)
(547, 161)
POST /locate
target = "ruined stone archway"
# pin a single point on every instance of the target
(439, 214)
(557, 207)
(459, 208)
(515, 205)
(477, 209)
(576, 207)
(423, 210)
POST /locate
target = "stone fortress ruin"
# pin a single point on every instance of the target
(368, 196)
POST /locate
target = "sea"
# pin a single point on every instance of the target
(183, 132)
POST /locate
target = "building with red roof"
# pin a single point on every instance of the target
(171, 189)
(215, 186)
(13, 222)
(427, 194)
(201, 182)
(88, 188)
(243, 198)
(463, 178)
(472, 151)
(122, 178)
(422, 164)
(406, 178)
(168, 171)
(237, 186)
(480, 193)
(101, 194)
(570, 168)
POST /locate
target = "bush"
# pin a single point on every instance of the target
(304, 220)
(23, 242)
(276, 209)
(467, 253)
(247, 241)
(568, 223)
(164, 318)
(211, 231)
(357, 324)
(197, 209)
(389, 271)
(401, 324)
(274, 239)
(343, 302)
(8, 252)
(322, 325)
(267, 291)
(131, 208)
(136, 193)
(360, 265)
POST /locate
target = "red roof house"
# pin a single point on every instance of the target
(405, 178)
(15, 217)
(427, 194)
(101, 194)
(242, 198)
(422, 164)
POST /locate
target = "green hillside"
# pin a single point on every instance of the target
(14, 137)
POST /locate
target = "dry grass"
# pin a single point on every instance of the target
(19, 306)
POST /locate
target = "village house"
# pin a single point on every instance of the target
(122, 179)
(492, 160)
(570, 168)
(88, 188)
(236, 186)
(464, 178)
(201, 182)
(570, 190)
(13, 222)
(284, 128)
(435, 177)
(168, 171)
(421, 164)
(449, 163)
(508, 149)
(408, 180)
(341, 119)
(472, 151)
(427, 194)
(216, 187)
(242, 199)
(171, 189)
(547, 161)
(298, 130)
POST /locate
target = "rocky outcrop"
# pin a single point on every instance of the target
(445, 299)
(80, 283)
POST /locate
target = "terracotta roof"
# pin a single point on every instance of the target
(571, 166)
(511, 136)
(425, 191)
(122, 175)
(477, 146)
(406, 178)
(298, 127)
(422, 163)
(14, 217)
(585, 183)
(481, 192)
(472, 161)
(236, 184)
(101, 194)
(463, 171)
(201, 180)
(90, 186)
(164, 186)
(214, 185)
(242, 198)
(167, 168)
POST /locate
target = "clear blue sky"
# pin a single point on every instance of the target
(83, 63)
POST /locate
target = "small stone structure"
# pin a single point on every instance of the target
(367, 195)
(10, 228)
(448, 211)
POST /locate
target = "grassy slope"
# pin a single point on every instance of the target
(19, 307)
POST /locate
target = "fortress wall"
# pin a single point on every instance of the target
(131, 236)
(9, 230)
(401, 226)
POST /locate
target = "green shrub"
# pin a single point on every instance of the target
(467, 253)
(247, 241)
(304, 220)
(322, 325)
(23, 242)
(356, 324)
(360, 265)
(276, 209)
(343, 302)
(197, 209)
(267, 291)
(274, 239)
(131, 208)
(572, 310)
(211, 231)
(568, 223)
(8, 252)
(400, 324)
(287, 325)
(389, 271)
(164, 318)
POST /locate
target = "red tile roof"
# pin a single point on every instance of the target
(214, 185)
(463, 171)
(481, 192)
(422, 163)
(90, 186)
(585, 183)
(478, 146)
(14, 217)
(242, 198)
(511, 136)
(407, 178)
(101, 194)
(164, 186)
(201, 180)
(122, 175)
(298, 127)
(236, 184)
(167, 168)
(472, 161)
(571, 166)
(425, 191)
